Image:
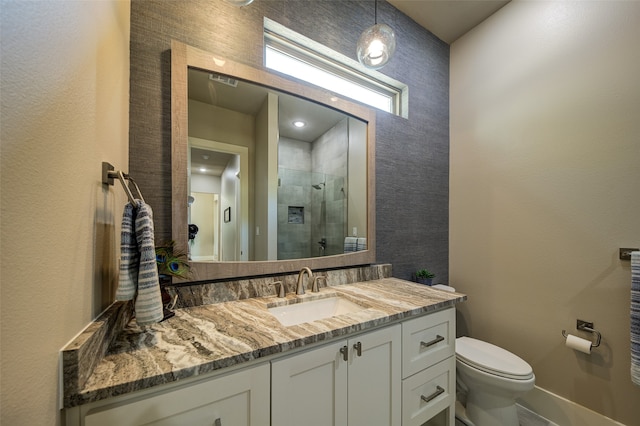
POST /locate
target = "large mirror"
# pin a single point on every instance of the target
(254, 194)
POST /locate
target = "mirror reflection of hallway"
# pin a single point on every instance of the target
(205, 214)
(215, 168)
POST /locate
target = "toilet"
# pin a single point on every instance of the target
(491, 378)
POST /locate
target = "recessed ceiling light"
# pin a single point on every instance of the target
(202, 169)
(299, 123)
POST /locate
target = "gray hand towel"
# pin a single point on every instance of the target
(138, 269)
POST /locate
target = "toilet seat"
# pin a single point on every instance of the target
(492, 359)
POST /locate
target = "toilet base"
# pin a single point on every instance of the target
(461, 416)
(489, 410)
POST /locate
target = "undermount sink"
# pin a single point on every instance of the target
(313, 310)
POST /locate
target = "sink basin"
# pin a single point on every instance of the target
(313, 310)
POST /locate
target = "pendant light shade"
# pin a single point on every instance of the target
(376, 44)
(240, 3)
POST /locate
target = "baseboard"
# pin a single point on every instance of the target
(562, 411)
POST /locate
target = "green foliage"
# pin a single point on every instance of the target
(424, 273)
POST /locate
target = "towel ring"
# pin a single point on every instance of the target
(109, 174)
(120, 176)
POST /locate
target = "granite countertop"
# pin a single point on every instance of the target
(202, 339)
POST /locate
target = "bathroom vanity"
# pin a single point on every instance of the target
(234, 363)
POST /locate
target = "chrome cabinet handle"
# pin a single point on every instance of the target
(358, 348)
(434, 395)
(438, 339)
(345, 352)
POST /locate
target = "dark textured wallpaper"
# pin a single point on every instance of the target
(412, 155)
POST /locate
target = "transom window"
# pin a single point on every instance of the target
(293, 54)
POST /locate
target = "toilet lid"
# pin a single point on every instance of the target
(491, 359)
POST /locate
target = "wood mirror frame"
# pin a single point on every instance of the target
(184, 57)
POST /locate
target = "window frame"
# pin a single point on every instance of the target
(302, 49)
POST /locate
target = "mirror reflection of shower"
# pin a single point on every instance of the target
(312, 207)
(311, 214)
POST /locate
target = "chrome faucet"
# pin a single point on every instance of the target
(300, 286)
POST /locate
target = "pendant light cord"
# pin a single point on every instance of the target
(375, 12)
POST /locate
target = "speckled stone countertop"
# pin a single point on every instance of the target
(202, 339)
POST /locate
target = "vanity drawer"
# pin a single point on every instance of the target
(427, 340)
(429, 392)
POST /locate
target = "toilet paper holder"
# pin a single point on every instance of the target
(586, 326)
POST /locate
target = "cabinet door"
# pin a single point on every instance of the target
(236, 399)
(310, 388)
(375, 378)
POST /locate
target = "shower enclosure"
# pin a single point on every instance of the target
(312, 214)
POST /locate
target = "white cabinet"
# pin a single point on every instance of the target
(429, 370)
(355, 382)
(235, 399)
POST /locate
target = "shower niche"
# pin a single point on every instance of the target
(296, 215)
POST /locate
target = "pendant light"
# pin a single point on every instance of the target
(376, 44)
(240, 3)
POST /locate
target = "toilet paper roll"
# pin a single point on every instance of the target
(579, 344)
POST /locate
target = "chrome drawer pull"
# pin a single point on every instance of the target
(434, 395)
(438, 339)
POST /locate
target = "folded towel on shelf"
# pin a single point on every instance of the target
(138, 269)
(350, 244)
(635, 317)
(361, 244)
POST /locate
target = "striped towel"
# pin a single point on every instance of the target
(129, 257)
(635, 317)
(361, 244)
(138, 269)
(350, 244)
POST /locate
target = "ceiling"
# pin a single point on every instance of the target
(448, 19)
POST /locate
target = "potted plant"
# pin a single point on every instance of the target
(424, 276)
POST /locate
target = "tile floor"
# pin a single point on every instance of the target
(525, 416)
(529, 418)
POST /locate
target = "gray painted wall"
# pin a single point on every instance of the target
(412, 156)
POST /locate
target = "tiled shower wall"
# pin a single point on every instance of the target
(323, 163)
(412, 155)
